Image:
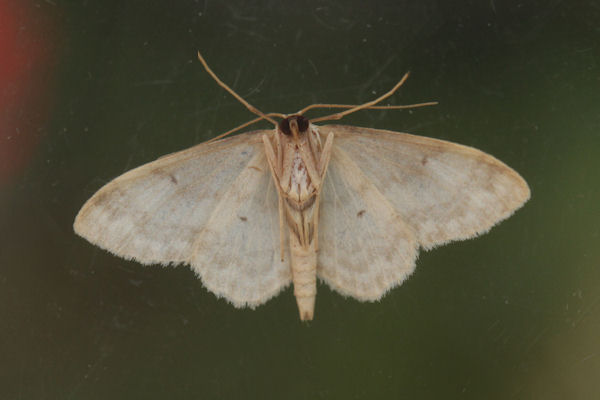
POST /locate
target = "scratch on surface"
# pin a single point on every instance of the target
(493, 325)
(536, 339)
(323, 23)
(237, 29)
(236, 14)
(312, 64)
(369, 83)
(586, 311)
(155, 82)
(588, 357)
(238, 73)
(255, 89)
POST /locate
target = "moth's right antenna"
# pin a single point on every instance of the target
(237, 96)
(368, 105)
(347, 106)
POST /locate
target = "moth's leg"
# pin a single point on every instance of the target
(326, 155)
(314, 138)
(281, 223)
(279, 152)
(286, 165)
(318, 138)
(316, 221)
(322, 166)
(306, 225)
(311, 168)
(272, 160)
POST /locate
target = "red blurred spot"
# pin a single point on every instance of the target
(26, 45)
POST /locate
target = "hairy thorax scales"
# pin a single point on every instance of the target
(299, 189)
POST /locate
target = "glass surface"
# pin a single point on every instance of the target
(93, 89)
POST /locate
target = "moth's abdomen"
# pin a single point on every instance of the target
(304, 276)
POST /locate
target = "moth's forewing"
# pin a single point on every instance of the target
(168, 210)
(444, 191)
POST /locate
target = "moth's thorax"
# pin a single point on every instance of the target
(300, 150)
(298, 162)
(298, 184)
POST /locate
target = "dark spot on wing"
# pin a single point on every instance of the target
(244, 219)
(100, 197)
(173, 179)
(245, 152)
(361, 213)
(424, 160)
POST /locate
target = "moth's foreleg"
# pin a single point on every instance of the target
(281, 223)
(314, 139)
(274, 165)
(325, 155)
(279, 153)
(316, 222)
(272, 159)
(311, 168)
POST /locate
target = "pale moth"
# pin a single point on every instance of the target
(253, 212)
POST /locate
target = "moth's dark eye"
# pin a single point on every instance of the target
(302, 123)
(284, 126)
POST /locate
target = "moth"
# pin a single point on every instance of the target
(253, 212)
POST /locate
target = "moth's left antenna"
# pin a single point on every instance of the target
(234, 94)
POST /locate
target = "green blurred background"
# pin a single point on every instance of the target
(91, 89)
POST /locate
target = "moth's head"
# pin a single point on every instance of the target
(293, 125)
